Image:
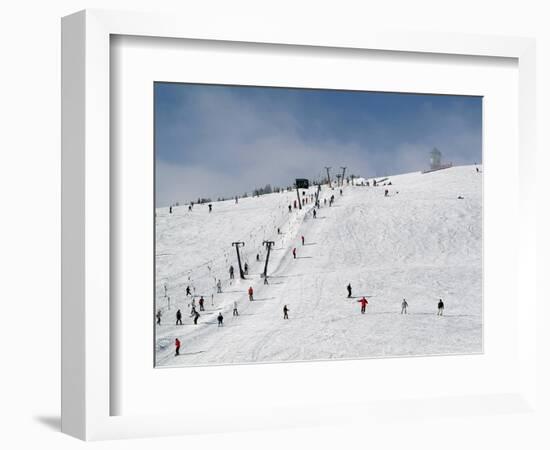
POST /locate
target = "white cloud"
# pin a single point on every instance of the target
(231, 145)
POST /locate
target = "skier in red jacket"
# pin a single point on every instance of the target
(364, 302)
(178, 345)
(250, 293)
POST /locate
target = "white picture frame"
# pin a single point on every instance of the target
(86, 218)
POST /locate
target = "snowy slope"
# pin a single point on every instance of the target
(421, 243)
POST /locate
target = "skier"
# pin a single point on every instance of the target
(440, 307)
(250, 293)
(348, 287)
(231, 273)
(477, 169)
(404, 306)
(178, 345)
(159, 315)
(189, 208)
(235, 311)
(201, 303)
(294, 252)
(188, 291)
(303, 240)
(196, 317)
(246, 268)
(170, 209)
(193, 311)
(178, 318)
(219, 286)
(289, 208)
(341, 193)
(314, 214)
(278, 231)
(257, 256)
(386, 193)
(285, 312)
(165, 289)
(236, 199)
(210, 207)
(364, 302)
(220, 320)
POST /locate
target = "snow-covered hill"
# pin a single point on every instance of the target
(421, 242)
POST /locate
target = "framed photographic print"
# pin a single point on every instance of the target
(263, 255)
(260, 220)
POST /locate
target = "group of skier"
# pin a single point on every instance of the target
(295, 251)
(404, 305)
(195, 314)
(363, 301)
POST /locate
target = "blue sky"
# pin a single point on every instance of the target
(215, 141)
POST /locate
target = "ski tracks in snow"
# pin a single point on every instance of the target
(421, 244)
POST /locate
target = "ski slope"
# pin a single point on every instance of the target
(421, 243)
